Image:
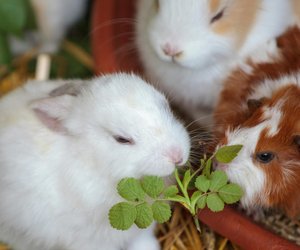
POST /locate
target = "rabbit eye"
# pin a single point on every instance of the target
(218, 16)
(265, 157)
(123, 140)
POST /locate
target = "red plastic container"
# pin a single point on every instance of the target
(113, 36)
(112, 45)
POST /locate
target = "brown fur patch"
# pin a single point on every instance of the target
(283, 173)
(238, 19)
(214, 5)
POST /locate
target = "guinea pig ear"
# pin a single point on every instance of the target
(52, 111)
(254, 104)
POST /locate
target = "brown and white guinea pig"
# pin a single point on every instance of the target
(261, 110)
(188, 47)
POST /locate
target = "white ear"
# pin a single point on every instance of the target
(52, 111)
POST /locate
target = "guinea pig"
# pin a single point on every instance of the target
(62, 153)
(260, 110)
(53, 18)
(189, 47)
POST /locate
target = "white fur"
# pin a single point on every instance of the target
(194, 80)
(56, 187)
(272, 20)
(242, 169)
(269, 86)
(273, 115)
(54, 18)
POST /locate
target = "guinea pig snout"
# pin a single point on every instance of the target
(171, 50)
(175, 155)
(219, 166)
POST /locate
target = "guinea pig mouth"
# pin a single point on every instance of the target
(220, 166)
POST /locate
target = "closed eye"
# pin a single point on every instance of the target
(218, 16)
(124, 140)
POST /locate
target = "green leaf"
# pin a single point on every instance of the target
(186, 179)
(171, 191)
(13, 16)
(207, 168)
(161, 211)
(122, 215)
(195, 196)
(178, 180)
(178, 198)
(144, 216)
(202, 183)
(227, 153)
(202, 163)
(194, 199)
(201, 202)
(5, 54)
(218, 180)
(230, 193)
(153, 185)
(214, 203)
(30, 20)
(191, 185)
(131, 190)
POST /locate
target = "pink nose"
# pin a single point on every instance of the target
(175, 155)
(171, 50)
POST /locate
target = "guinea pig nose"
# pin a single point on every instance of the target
(175, 155)
(171, 50)
(219, 166)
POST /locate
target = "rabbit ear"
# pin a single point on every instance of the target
(67, 89)
(52, 111)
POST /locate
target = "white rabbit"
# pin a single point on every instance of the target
(54, 18)
(62, 155)
(188, 47)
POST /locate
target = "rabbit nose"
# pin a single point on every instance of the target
(171, 50)
(175, 155)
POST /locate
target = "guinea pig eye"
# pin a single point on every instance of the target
(218, 16)
(123, 140)
(265, 157)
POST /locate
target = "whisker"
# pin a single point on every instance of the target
(112, 22)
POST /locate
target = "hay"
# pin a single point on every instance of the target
(180, 233)
(280, 224)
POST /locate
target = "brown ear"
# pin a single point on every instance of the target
(254, 104)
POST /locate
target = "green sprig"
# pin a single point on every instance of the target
(148, 199)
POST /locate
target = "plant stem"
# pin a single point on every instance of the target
(196, 221)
